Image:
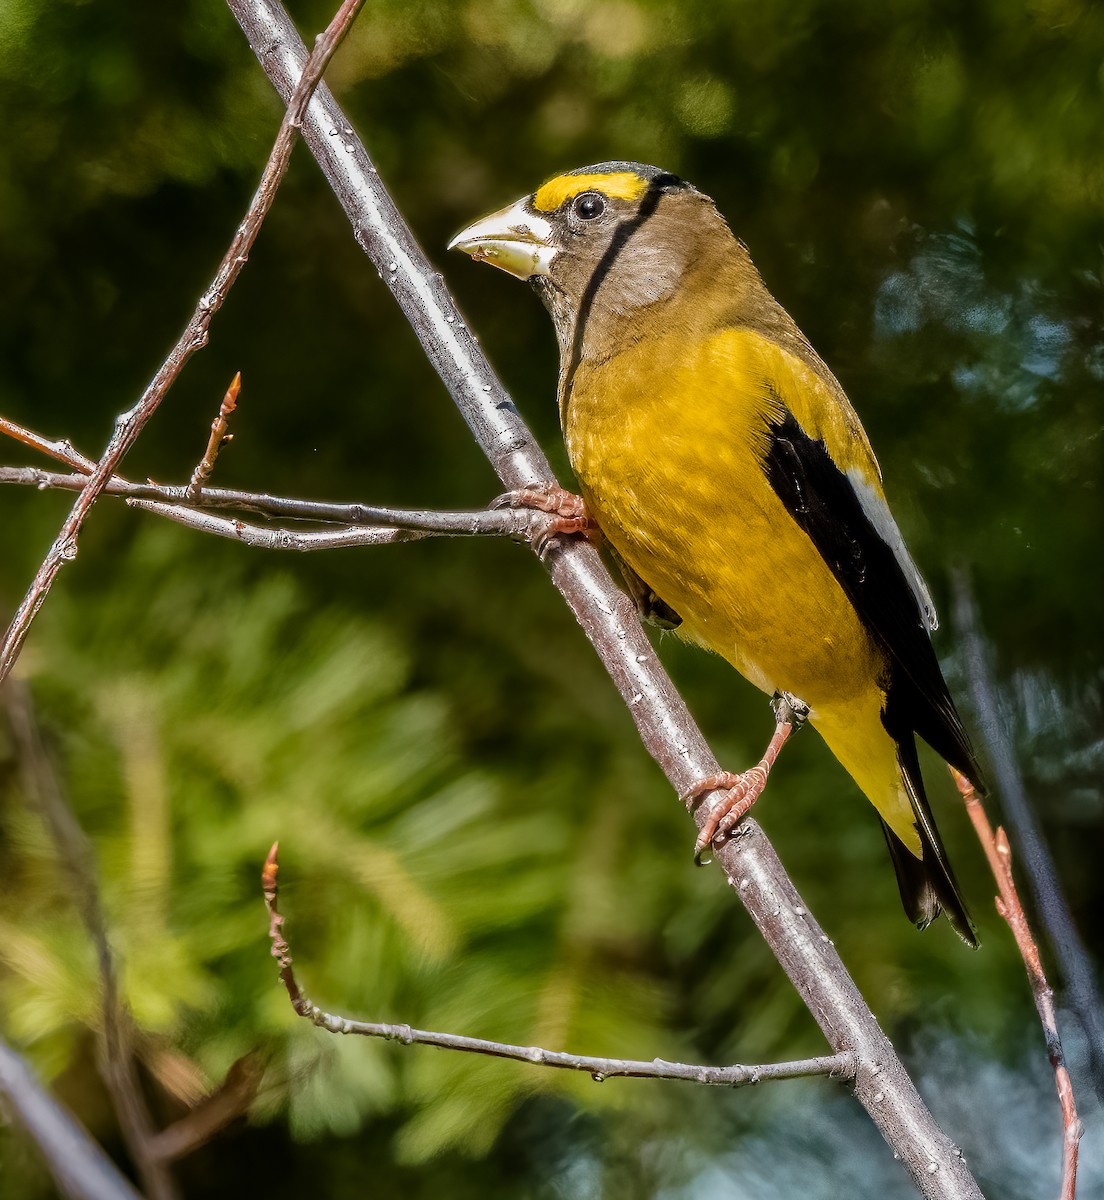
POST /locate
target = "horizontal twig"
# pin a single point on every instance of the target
(837, 1066)
(520, 524)
(274, 539)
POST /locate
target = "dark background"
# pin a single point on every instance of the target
(472, 837)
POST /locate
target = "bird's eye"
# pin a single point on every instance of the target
(588, 206)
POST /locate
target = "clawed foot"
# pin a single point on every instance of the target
(727, 813)
(568, 513)
(743, 790)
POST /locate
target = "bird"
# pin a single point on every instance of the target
(724, 467)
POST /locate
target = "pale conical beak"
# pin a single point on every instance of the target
(513, 239)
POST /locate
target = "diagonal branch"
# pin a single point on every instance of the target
(835, 1066)
(1074, 962)
(999, 855)
(62, 451)
(224, 1104)
(81, 1170)
(118, 1064)
(129, 424)
(151, 1150)
(607, 616)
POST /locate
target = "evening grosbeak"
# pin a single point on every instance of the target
(728, 472)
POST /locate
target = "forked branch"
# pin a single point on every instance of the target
(344, 524)
(77, 1168)
(668, 732)
(609, 620)
(361, 525)
(129, 424)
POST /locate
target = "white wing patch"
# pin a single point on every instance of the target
(875, 507)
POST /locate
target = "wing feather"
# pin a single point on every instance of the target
(794, 374)
(824, 502)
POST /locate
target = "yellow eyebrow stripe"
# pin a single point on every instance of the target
(618, 185)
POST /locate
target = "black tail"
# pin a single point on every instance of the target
(927, 884)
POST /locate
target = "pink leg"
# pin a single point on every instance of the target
(745, 789)
(568, 511)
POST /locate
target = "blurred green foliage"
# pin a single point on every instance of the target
(472, 837)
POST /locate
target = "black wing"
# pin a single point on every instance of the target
(821, 499)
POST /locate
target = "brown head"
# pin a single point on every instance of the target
(611, 245)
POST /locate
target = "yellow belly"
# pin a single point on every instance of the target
(670, 464)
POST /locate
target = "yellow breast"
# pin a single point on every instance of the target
(668, 444)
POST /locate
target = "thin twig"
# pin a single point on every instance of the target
(219, 437)
(836, 1066)
(1075, 966)
(607, 616)
(219, 1108)
(999, 854)
(129, 425)
(63, 451)
(274, 539)
(519, 524)
(118, 1064)
(81, 1170)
